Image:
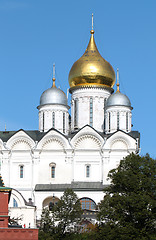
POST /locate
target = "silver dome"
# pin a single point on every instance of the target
(118, 99)
(53, 95)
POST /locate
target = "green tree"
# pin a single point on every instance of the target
(128, 210)
(68, 212)
(62, 219)
(47, 222)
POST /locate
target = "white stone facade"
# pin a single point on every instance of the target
(70, 158)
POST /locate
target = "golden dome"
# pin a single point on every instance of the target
(91, 69)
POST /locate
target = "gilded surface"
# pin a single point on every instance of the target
(91, 68)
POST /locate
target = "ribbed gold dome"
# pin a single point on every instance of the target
(91, 69)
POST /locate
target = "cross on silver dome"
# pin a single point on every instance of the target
(118, 98)
(53, 95)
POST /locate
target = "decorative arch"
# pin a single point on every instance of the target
(87, 203)
(53, 140)
(120, 140)
(19, 199)
(50, 201)
(119, 143)
(21, 144)
(87, 141)
(20, 141)
(53, 143)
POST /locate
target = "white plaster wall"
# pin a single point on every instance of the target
(19, 158)
(5, 167)
(83, 95)
(71, 156)
(27, 215)
(23, 211)
(81, 160)
(63, 168)
(111, 160)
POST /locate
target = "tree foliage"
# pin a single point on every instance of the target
(128, 210)
(68, 211)
(47, 222)
(63, 217)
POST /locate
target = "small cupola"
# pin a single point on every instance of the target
(118, 111)
(53, 109)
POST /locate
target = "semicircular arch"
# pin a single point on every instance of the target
(47, 201)
(53, 143)
(119, 143)
(87, 203)
(87, 141)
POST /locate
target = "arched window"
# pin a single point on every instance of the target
(52, 170)
(21, 171)
(88, 171)
(49, 202)
(15, 204)
(87, 203)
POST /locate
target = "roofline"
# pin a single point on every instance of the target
(39, 106)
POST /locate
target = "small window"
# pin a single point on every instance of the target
(53, 172)
(15, 204)
(87, 171)
(21, 171)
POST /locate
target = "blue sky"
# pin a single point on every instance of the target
(36, 33)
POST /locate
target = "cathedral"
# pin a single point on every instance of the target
(73, 149)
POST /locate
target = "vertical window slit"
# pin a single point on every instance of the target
(87, 171)
(118, 120)
(53, 120)
(21, 171)
(127, 121)
(91, 112)
(75, 113)
(63, 122)
(53, 172)
(109, 121)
